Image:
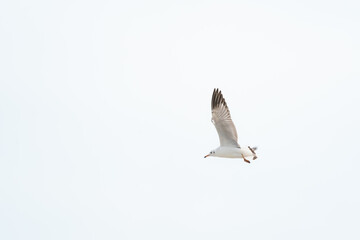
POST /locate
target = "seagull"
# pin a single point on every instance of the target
(229, 147)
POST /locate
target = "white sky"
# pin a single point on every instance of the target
(105, 119)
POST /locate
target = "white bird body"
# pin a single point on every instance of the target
(231, 152)
(229, 147)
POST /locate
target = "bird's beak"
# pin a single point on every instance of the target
(207, 156)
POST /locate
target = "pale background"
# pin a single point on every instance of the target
(105, 119)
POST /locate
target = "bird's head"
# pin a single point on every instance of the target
(211, 153)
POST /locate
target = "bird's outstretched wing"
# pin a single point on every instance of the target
(222, 120)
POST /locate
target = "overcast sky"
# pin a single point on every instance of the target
(105, 119)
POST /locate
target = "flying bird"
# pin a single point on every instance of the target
(229, 147)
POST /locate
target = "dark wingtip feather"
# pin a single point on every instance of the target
(213, 99)
(217, 98)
